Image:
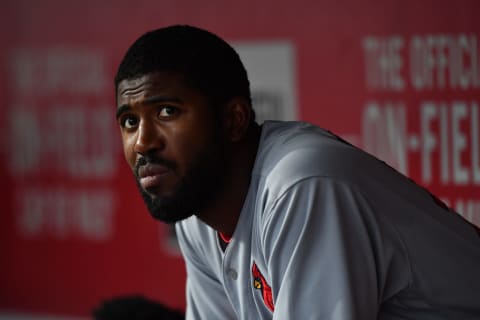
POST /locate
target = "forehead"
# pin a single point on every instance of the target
(152, 84)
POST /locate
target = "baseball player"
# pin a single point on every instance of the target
(283, 220)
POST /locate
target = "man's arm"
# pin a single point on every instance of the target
(324, 252)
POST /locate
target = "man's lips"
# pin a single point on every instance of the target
(150, 175)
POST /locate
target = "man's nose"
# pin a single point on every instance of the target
(149, 138)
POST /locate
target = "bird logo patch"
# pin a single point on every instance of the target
(261, 284)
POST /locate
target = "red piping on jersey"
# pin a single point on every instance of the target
(225, 238)
(261, 284)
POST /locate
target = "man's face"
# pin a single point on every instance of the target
(172, 140)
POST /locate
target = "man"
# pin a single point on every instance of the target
(283, 220)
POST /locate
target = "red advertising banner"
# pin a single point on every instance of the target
(422, 112)
(400, 79)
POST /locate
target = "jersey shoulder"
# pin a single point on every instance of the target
(293, 151)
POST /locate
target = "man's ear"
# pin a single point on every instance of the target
(238, 113)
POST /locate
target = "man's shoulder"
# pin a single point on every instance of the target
(298, 150)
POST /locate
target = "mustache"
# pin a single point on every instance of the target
(151, 159)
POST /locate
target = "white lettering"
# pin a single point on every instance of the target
(24, 132)
(475, 140)
(441, 61)
(460, 173)
(445, 149)
(463, 76)
(63, 213)
(432, 56)
(428, 112)
(384, 133)
(58, 70)
(444, 132)
(383, 63)
(70, 139)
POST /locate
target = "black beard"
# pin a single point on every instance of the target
(197, 189)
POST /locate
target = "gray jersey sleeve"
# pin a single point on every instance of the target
(206, 298)
(323, 249)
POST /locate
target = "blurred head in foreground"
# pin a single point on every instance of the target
(134, 308)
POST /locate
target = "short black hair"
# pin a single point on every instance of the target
(207, 62)
(134, 307)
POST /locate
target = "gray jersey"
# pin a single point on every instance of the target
(329, 232)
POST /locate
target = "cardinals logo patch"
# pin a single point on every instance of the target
(261, 284)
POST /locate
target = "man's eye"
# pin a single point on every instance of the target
(167, 111)
(129, 122)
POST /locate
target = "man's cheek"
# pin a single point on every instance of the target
(128, 152)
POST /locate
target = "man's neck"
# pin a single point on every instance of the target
(223, 215)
